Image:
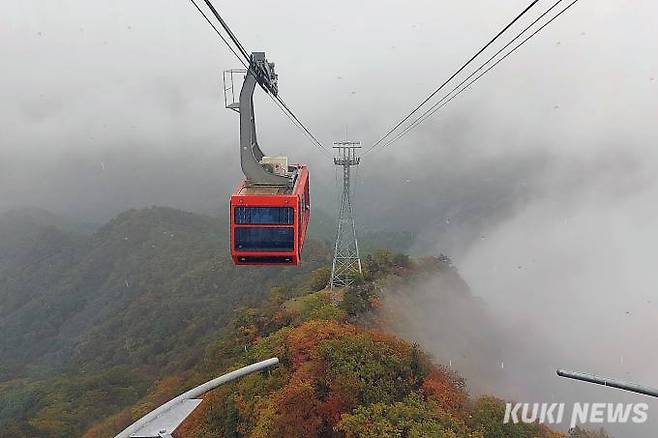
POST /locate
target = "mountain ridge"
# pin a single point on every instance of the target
(140, 296)
(111, 324)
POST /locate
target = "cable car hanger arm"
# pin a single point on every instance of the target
(260, 72)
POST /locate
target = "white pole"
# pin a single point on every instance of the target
(194, 393)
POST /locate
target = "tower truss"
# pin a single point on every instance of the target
(346, 263)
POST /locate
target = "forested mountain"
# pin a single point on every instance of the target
(89, 318)
(98, 329)
(341, 374)
(112, 311)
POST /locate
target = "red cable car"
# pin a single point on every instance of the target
(268, 223)
(270, 209)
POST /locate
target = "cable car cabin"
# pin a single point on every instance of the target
(268, 222)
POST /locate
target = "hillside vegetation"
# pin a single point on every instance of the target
(91, 316)
(340, 374)
(89, 321)
(98, 328)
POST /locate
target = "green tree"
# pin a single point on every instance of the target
(488, 415)
(578, 432)
(319, 279)
(231, 419)
(412, 417)
(358, 299)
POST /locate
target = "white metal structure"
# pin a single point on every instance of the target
(163, 421)
(346, 261)
(612, 383)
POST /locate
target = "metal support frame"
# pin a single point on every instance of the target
(612, 383)
(346, 261)
(261, 73)
(231, 99)
(163, 421)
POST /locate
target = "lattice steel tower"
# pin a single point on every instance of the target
(346, 253)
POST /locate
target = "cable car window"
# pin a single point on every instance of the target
(264, 238)
(264, 215)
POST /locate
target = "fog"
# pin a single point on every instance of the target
(566, 282)
(539, 181)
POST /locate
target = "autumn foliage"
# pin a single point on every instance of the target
(336, 378)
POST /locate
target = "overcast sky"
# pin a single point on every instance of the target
(108, 105)
(540, 180)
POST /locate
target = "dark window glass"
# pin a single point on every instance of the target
(264, 215)
(264, 238)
